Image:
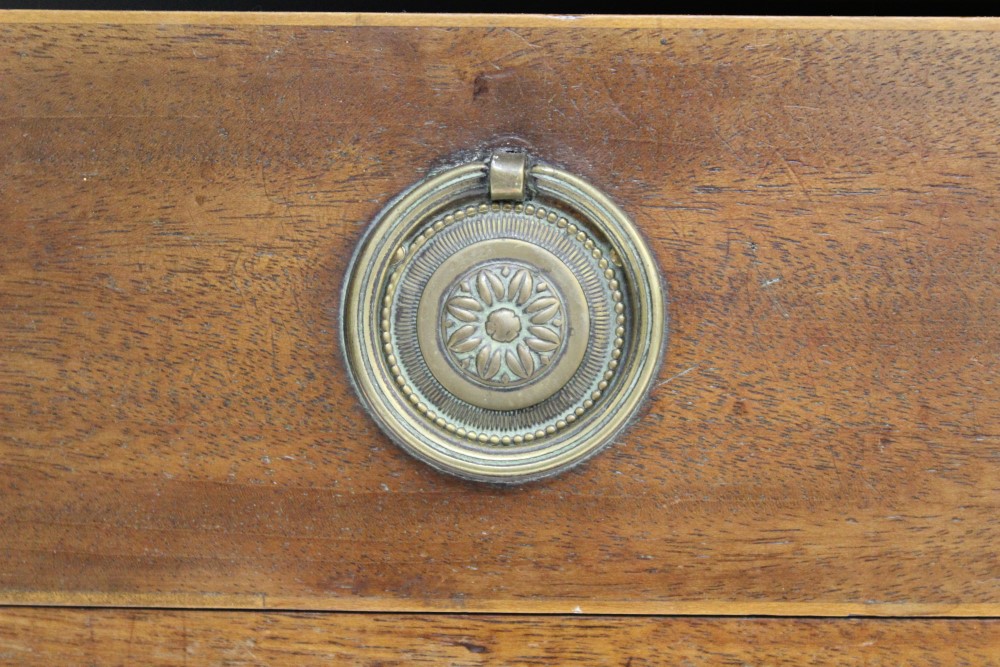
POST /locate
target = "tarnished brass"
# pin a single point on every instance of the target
(507, 175)
(513, 328)
(503, 320)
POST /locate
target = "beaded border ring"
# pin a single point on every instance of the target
(503, 340)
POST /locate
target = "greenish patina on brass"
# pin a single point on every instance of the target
(503, 320)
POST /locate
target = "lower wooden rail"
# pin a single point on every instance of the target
(60, 636)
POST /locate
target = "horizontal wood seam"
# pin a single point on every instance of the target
(262, 602)
(506, 614)
(689, 22)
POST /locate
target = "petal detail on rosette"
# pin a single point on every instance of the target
(488, 362)
(489, 287)
(521, 364)
(543, 339)
(464, 308)
(543, 309)
(520, 287)
(462, 339)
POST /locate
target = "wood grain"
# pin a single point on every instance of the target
(178, 205)
(493, 20)
(129, 637)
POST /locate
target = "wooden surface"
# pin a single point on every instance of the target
(129, 637)
(179, 201)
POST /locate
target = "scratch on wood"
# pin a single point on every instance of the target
(674, 377)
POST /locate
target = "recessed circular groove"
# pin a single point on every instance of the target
(503, 340)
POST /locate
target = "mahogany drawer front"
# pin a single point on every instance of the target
(180, 198)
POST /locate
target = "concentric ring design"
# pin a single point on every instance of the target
(504, 323)
(495, 238)
(502, 341)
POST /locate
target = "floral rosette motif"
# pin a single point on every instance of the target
(503, 324)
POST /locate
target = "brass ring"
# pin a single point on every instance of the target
(503, 326)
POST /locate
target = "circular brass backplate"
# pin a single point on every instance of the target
(503, 320)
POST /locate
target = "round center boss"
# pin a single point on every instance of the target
(503, 320)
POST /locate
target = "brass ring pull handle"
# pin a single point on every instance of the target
(503, 320)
